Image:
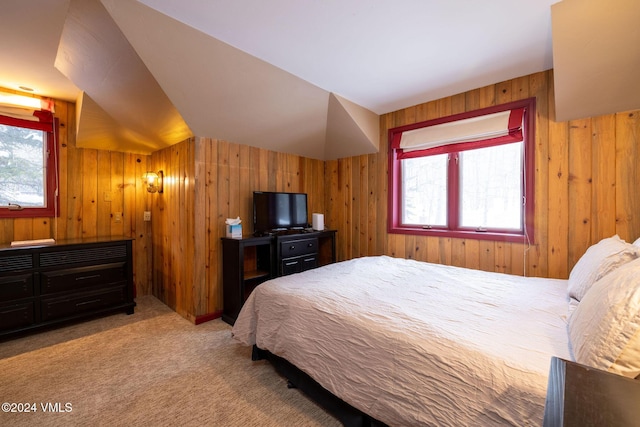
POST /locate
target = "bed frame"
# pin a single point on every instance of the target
(390, 396)
(345, 413)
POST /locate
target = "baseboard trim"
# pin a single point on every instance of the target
(207, 317)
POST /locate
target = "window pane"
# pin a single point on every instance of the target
(22, 166)
(424, 186)
(491, 187)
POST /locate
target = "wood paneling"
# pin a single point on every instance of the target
(627, 207)
(587, 175)
(93, 185)
(207, 181)
(586, 188)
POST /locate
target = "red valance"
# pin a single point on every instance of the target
(29, 112)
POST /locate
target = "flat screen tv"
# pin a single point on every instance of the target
(278, 211)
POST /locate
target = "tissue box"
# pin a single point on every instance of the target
(234, 231)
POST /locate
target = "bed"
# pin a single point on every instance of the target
(413, 343)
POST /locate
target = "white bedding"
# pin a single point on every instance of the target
(413, 343)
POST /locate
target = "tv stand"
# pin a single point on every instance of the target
(250, 261)
(287, 232)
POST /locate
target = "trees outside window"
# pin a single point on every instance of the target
(27, 168)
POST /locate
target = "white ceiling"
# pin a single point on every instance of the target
(382, 55)
(303, 76)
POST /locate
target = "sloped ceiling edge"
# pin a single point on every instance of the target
(225, 93)
(351, 130)
(96, 57)
(96, 129)
(595, 57)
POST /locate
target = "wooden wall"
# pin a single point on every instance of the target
(587, 175)
(207, 181)
(587, 184)
(93, 185)
(587, 179)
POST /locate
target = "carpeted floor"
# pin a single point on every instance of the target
(151, 368)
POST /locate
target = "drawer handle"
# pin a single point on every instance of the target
(292, 247)
(310, 245)
(87, 277)
(290, 263)
(12, 310)
(88, 302)
(309, 259)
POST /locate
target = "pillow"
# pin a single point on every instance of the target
(604, 330)
(597, 261)
(637, 242)
(573, 304)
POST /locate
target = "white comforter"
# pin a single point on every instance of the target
(413, 343)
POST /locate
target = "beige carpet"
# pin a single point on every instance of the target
(151, 368)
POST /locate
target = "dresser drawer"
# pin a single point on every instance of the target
(17, 316)
(292, 248)
(72, 279)
(55, 308)
(290, 266)
(16, 287)
(16, 263)
(87, 255)
(298, 264)
(309, 262)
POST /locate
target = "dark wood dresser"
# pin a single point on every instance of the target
(47, 285)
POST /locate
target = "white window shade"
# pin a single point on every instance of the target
(481, 128)
(23, 107)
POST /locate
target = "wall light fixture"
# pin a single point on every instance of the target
(154, 181)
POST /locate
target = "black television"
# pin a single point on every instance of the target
(278, 211)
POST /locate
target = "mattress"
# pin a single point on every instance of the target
(414, 343)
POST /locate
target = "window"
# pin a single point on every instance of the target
(469, 175)
(28, 166)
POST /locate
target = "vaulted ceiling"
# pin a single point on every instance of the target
(305, 77)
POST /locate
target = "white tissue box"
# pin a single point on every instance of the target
(234, 231)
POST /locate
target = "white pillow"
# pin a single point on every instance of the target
(599, 260)
(637, 242)
(604, 330)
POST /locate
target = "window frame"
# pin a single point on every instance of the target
(394, 217)
(49, 125)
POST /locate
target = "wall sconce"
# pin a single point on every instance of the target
(154, 181)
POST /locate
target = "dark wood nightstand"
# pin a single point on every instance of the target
(578, 395)
(250, 261)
